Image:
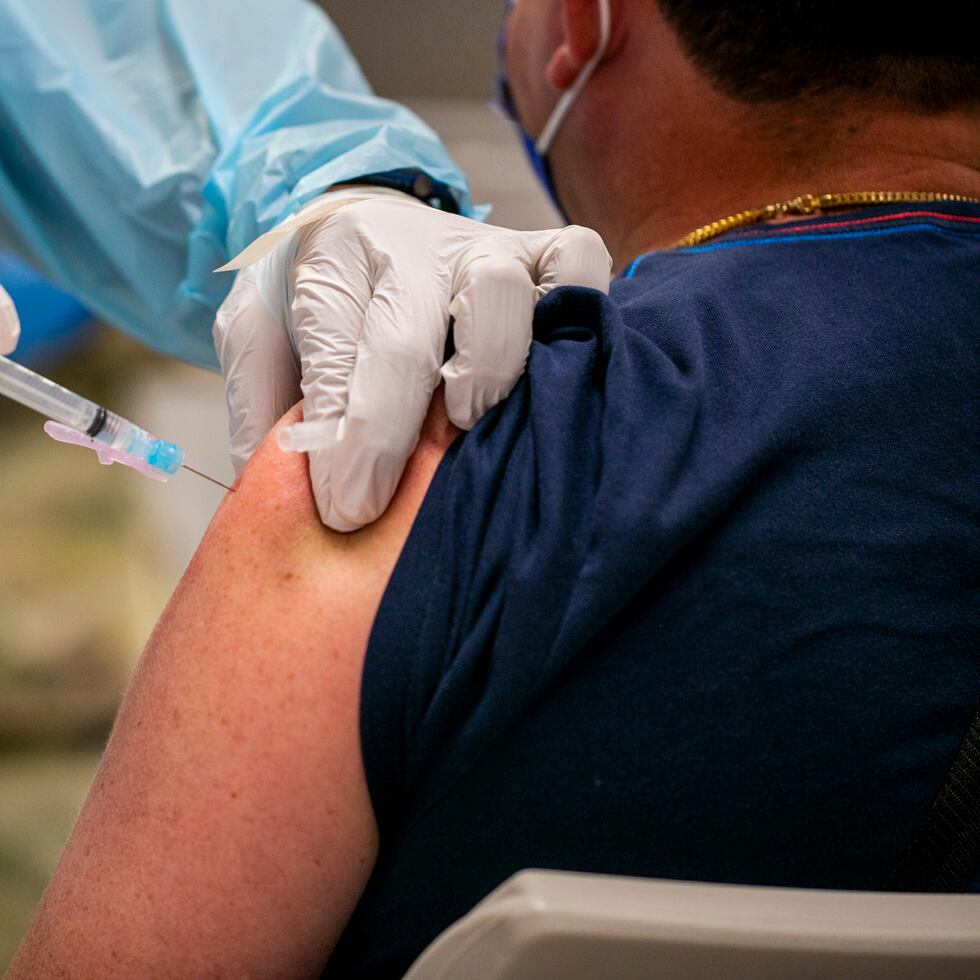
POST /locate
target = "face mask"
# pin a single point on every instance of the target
(537, 150)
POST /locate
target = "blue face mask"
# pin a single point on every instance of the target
(537, 150)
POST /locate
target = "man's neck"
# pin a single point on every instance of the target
(664, 196)
(663, 227)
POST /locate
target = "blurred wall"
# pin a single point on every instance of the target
(426, 48)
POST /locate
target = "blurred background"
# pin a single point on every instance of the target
(89, 554)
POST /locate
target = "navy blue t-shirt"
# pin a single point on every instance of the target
(701, 599)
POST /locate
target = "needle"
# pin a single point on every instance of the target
(206, 477)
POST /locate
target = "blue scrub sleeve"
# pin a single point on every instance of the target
(143, 144)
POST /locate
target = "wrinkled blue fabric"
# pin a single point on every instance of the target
(701, 598)
(145, 142)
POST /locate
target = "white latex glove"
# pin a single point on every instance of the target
(352, 307)
(9, 323)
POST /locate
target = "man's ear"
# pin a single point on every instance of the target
(580, 38)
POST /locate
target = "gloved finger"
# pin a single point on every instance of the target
(334, 282)
(572, 256)
(395, 373)
(9, 323)
(258, 363)
(493, 309)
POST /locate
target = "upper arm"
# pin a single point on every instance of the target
(229, 830)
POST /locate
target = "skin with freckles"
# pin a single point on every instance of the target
(229, 831)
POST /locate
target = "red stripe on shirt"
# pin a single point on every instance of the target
(798, 226)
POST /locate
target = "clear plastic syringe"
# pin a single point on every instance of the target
(95, 422)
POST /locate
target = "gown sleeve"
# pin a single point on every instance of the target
(142, 144)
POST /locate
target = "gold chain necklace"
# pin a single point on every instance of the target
(811, 204)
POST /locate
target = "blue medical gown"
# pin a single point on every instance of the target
(145, 142)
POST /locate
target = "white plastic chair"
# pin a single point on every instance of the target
(551, 925)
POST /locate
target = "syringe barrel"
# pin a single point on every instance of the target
(121, 434)
(78, 413)
(46, 397)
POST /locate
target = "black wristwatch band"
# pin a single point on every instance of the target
(412, 181)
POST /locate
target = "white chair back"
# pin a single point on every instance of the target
(548, 925)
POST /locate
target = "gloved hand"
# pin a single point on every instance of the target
(352, 306)
(9, 323)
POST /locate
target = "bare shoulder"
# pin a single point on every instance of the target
(229, 831)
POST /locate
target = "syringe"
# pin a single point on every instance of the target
(114, 438)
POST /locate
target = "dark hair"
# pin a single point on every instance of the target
(774, 50)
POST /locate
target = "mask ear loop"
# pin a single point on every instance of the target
(544, 141)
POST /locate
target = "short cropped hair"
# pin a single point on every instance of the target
(926, 59)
